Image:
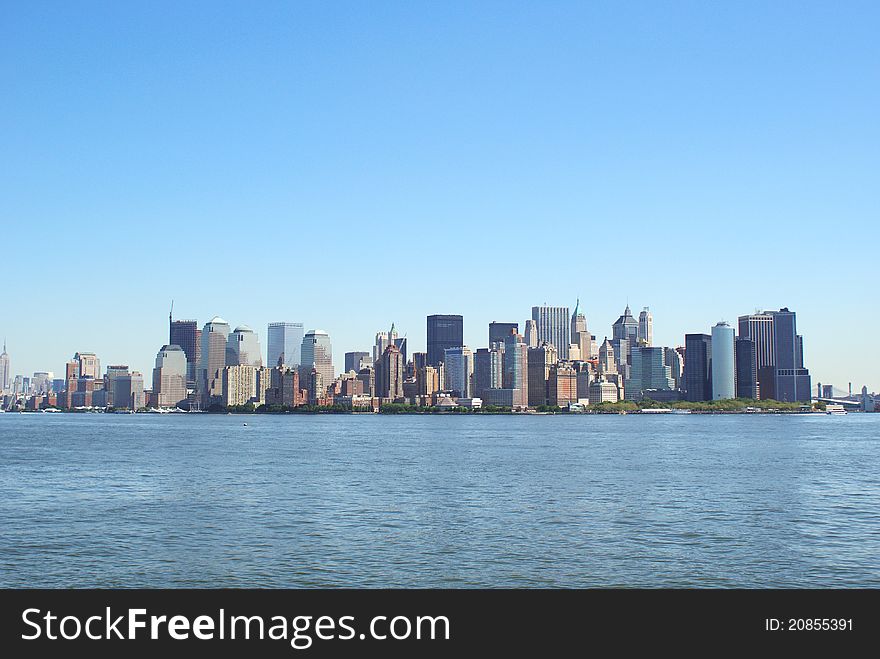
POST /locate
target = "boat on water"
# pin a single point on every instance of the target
(835, 408)
(656, 410)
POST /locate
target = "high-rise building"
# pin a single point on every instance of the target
(89, 365)
(284, 344)
(5, 369)
(128, 391)
(758, 327)
(624, 335)
(317, 354)
(383, 339)
(284, 387)
(746, 368)
(187, 335)
(488, 369)
(113, 371)
(240, 384)
(791, 381)
(648, 371)
(516, 366)
(243, 348)
(562, 385)
(355, 361)
(499, 331)
(676, 366)
(389, 373)
(169, 376)
(554, 325)
(646, 328)
(531, 334)
(602, 391)
(213, 360)
(698, 367)
(539, 362)
(723, 362)
(607, 361)
(459, 364)
(580, 335)
(444, 331)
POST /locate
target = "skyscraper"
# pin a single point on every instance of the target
(723, 362)
(624, 335)
(186, 334)
(746, 368)
(791, 381)
(444, 331)
(284, 344)
(499, 331)
(169, 376)
(516, 365)
(698, 367)
(758, 327)
(243, 348)
(539, 362)
(580, 335)
(389, 373)
(554, 325)
(459, 363)
(355, 361)
(213, 360)
(676, 366)
(317, 354)
(89, 365)
(648, 371)
(5, 369)
(646, 327)
(531, 334)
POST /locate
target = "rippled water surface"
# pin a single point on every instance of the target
(457, 501)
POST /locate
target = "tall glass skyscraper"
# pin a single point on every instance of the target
(698, 367)
(186, 334)
(213, 359)
(444, 331)
(499, 331)
(284, 343)
(649, 371)
(459, 364)
(243, 348)
(553, 324)
(5, 369)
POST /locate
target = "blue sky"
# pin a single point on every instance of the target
(352, 164)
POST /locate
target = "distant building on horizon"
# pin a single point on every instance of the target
(646, 328)
(284, 343)
(316, 354)
(355, 361)
(214, 339)
(5, 369)
(170, 376)
(187, 335)
(499, 331)
(459, 366)
(243, 348)
(746, 368)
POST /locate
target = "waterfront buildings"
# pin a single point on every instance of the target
(443, 331)
(602, 391)
(459, 367)
(114, 371)
(284, 388)
(676, 365)
(791, 381)
(723, 362)
(169, 376)
(284, 343)
(240, 385)
(758, 327)
(316, 354)
(516, 370)
(698, 367)
(562, 385)
(553, 326)
(128, 391)
(389, 373)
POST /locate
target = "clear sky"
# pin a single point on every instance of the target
(352, 164)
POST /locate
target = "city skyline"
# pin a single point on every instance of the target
(728, 149)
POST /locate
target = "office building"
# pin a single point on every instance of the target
(444, 331)
(676, 366)
(89, 365)
(499, 331)
(5, 369)
(355, 361)
(284, 342)
(214, 339)
(316, 353)
(723, 362)
(169, 376)
(562, 385)
(243, 348)
(459, 366)
(580, 335)
(791, 381)
(531, 334)
(648, 371)
(187, 335)
(646, 328)
(516, 365)
(389, 373)
(240, 385)
(698, 367)
(553, 325)
(758, 327)
(539, 362)
(602, 391)
(128, 391)
(746, 368)
(114, 371)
